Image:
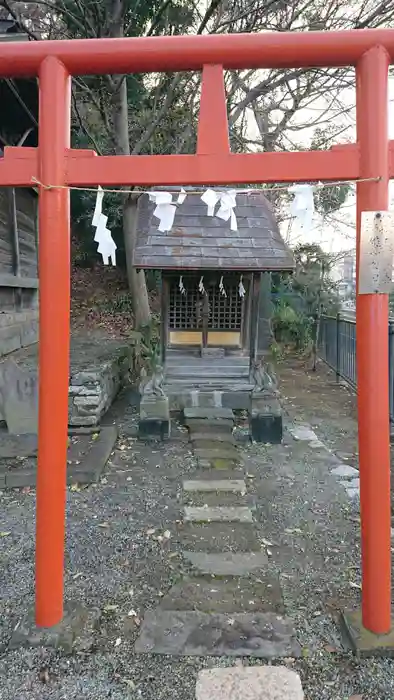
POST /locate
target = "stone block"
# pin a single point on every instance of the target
(303, 433)
(362, 641)
(219, 538)
(192, 633)
(221, 463)
(227, 563)
(227, 437)
(213, 475)
(219, 514)
(266, 428)
(265, 403)
(249, 683)
(208, 414)
(19, 398)
(222, 485)
(217, 427)
(10, 339)
(236, 400)
(218, 453)
(212, 352)
(75, 631)
(29, 333)
(345, 471)
(19, 478)
(154, 428)
(226, 595)
(154, 407)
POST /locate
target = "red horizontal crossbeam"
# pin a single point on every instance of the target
(19, 168)
(183, 53)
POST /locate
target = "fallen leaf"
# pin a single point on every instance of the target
(330, 649)
(151, 531)
(4, 534)
(356, 697)
(110, 608)
(104, 481)
(352, 584)
(75, 487)
(167, 534)
(103, 524)
(95, 436)
(118, 642)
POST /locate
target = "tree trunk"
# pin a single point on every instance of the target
(136, 280)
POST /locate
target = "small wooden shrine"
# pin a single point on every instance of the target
(211, 270)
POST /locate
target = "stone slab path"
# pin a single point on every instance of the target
(229, 602)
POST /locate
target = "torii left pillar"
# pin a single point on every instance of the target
(54, 270)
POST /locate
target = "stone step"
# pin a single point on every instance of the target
(219, 463)
(219, 514)
(208, 414)
(199, 362)
(226, 595)
(249, 683)
(212, 499)
(218, 537)
(227, 485)
(227, 563)
(217, 427)
(209, 371)
(227, 437)
(211, 443)
(235, 474)
(192, 633)
(219, 453)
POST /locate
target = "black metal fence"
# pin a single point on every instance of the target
(337, 347)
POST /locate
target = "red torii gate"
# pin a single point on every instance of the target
(56, 167)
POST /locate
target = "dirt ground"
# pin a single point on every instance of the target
(328, 405)
(123, 556)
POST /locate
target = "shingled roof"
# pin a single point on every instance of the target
(200, 242)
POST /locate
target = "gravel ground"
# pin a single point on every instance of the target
(115, 563)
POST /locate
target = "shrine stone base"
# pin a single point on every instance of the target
(265, 418)
(154, 417)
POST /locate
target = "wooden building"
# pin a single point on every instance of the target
(215, 285)
(18, 212)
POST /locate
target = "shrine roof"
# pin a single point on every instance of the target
(201, 242)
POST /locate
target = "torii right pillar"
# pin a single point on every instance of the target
(372, 628)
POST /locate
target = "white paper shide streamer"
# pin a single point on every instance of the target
(241, 288)
(164, 210)
(201, 287)
(221, 287)
(181, 286)
(303, 206)
(227, 202)
(106, 244)
(181, 196)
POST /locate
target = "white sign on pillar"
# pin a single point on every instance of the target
(376, 252)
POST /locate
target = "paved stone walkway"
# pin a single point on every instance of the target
(229, 602)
